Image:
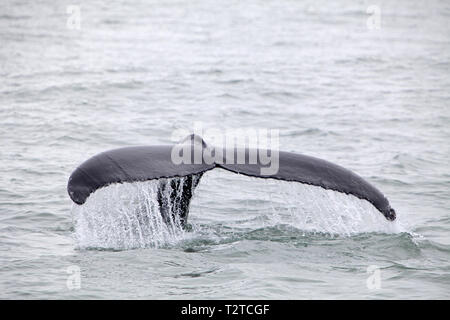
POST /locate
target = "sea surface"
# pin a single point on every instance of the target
(364, 84)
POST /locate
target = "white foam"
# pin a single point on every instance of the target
(126, 216)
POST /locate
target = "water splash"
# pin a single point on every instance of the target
(270, 203)
(314, 209)
(128, 215)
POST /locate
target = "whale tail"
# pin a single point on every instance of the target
(132, 164)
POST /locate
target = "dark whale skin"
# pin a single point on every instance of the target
(144, 163)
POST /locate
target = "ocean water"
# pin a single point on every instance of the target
(374, 100)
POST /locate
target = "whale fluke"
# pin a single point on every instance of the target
(144, 163)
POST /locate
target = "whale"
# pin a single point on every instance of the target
(143, 163)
